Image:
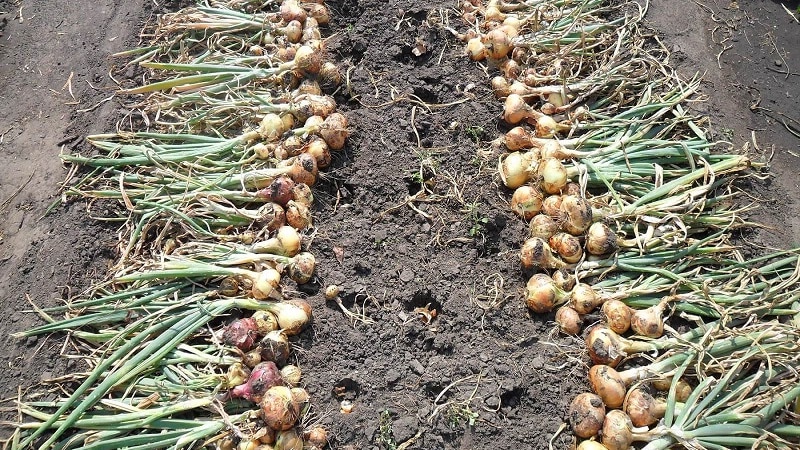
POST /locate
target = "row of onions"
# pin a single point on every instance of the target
(630, 212)
(188, 342)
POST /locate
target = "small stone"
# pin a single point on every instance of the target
(392, 376)
(404, 429)
(537, 363)
(417, 367)
(406, 275)
(492, 401)
(778, 62)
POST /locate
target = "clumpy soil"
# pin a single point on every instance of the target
(411, 221)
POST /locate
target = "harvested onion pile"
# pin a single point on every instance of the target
(629, 220)
(190, 336)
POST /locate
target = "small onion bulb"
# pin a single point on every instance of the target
(586, 414)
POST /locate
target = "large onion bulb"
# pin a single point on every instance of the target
(586, 414)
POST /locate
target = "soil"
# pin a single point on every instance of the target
(410, 218)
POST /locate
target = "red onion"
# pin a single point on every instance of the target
(262, 378)
(241, 332)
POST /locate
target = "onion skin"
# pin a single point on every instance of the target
(262, 378)
(553, 175)
(586, 414)
(536, 253)
(298, 216)
(515, 168)
(265, 285)
(526, 202)
(275, 347)
(265, 322)
(577, 214)
(567, 246)
(543, 226)
(600, 240)
(591, 445)
(242, 333)
(317, 437)
(551, 206)
(569, 321)
(607, 383)
(301, 270)
(584, 298)
(334, 131)
(605, 346)
(279, 191)
(293, 316)
(302, 194)
(563, 280)
(542, 295)
(648, 322)
(642, 408)
(617, 431)
(278, 410)
(617, 315)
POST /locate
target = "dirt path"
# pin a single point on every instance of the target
(408, 218)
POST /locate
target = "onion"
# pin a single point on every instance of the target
(275, 347)
(563, 280)
(586, 414)
(617, 315)
(298, 216)
(308, 86)
(607, 347)
(329, 76)
(509, 67)
(551, 206)
(291, 375)
(515, 110)
(553, 175)
(569, 321)
(302, 267)
(547, 108)
(263, 377)
(318, 148)
(304, 169)
(575, 189)
(500, 88)
(262, 150)
(288, 440)
(543, 226)
(237, 374)
(557, 99)
(278, 410)
(591, 445)
(535, 253)
(517, 138)
(546, 126)
(577, 213)
(526, 202)
(319, 12)
(334, 130)
(567, 246)
(271, 128)
(649, 322)
(332, 292)
(271, 216)
(292, 315)
(476, 50)
(265, 284)
(316, 437)
(228, 287)
(542, 295)
(279, 191)
(310, 106)
(302, 194)
(600, 240)
(497, 44)
(607, 383)
(291, 10)
(617, 431)
(515, 168)
(584, 298)
(248, 444)
(266, 435)
(286, 242)
(642, 408)
(300, 398)
(252, 358)
(265, 322)
(293, 31)
(307, 59)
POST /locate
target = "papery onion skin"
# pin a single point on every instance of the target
(301, 270)
(317, 437)
(586, 414)
(515, 169)
(617, 431)
(600, 240)
(526, 202)
(591, 445)
(567, 246)
(536, 253)
(266, 284)
(289, 440)
(563, 279)
(551, 206)
(642, 408)
(541, 294)
(569, 321)
(275, 347)
(263, 377)
(278, 410)
(294, 316)
(617, 315)
(577, 214)
(604, 346)
(584, 298)
(607, 383)
(543, 226)
(648, 322)
(265, 322)
(241, 332)
(553, 175)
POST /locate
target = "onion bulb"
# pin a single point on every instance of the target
(536, 253)
(316, 437)
(241, 332)
(600, 240)
(279, 191)
(567, 246)
(301, 193)
(476, 50)
(265, 322)
(318, 148)
(252, 358)
(304, 169)
(526, 202)
(577, 214)
(553, 175)
(591, 445)
(649, 322)
(515, 110)
(265, 283)
(291, 375)
(543, 226)
(542, 295)
(319, 12)
(563, 280)
(569, 321)
(497, 44)
(500, 88)
(298, 216)
(307, 59)
(551, 206)
(302, 267)
(271, 128)
(307, 86)
(288, 440)
(617, 431)
(275, 347)
(643, 408)
(236, 375)
(293, 315)
(584, 298)
(515, 168)
(291, 10)
(546, 126)
(607, 347)
(510, 68)
(286, 242)
(586, 414)
(329, 77)
(334, 130)
(617, 315)
(682, 388)
(278, 410)
(263, 377)
(607, 383)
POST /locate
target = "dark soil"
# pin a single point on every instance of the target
(410, 217)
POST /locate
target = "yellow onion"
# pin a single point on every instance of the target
(608, 384)
(319, 12)
(649, 322)
(510, 68)
(584, 298)
(577, 214)
(286, 242)
(318, 149)
(546, 126)
(515, 168)
(567, 246)
(617, 431)
(278, 410)
(265, 322)
(302, 194)
(497, 44)
(643, 409)
(302, 267)
(535, 253)
(553, 175)
(520, 89)
(591, 445)
(526, 202)
(600, 240)
(275, 347)
(271, 127)
(265, 284)
(586, 414)
(271, 216)
(293, 31)
(515, 110)
(307, 59)
(548, 109)
(543, 226)
(476, 50)
(316, 437)
(332, 292)
(551, 205)
(334, 130)
(682, 388)
(291, 10)
(617, 315)
(309, 106)
(607, 347)
(304, 169)
(293, 315)
(517, 138)
(542, 295)
(573, 189)
(329, 76)
(228, 287)
(252, 358)
(500, 87)
(298, 216)
(568, 321)
(288, 440)
(307, 86)
(291, 375)
(563, 280)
